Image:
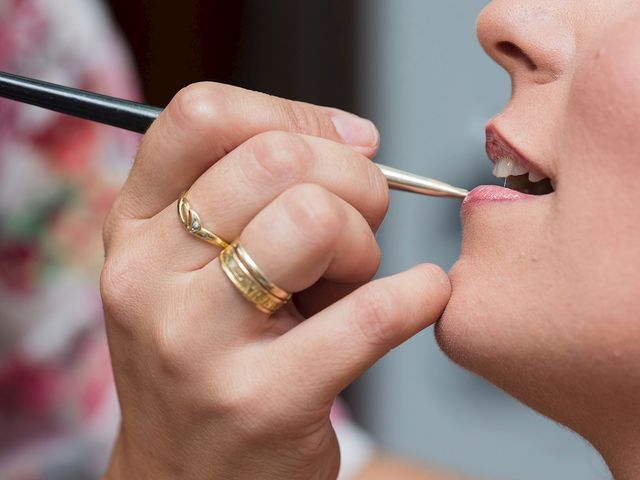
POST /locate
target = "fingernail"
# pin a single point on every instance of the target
(356, 131)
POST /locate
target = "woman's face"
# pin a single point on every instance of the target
(546, 293)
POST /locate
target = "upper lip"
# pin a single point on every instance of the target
(498, 147)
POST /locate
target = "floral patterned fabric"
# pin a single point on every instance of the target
(58, 178)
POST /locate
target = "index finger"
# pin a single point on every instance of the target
(205, 121)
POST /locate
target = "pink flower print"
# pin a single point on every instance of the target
(27, 388)
(95, 378)
(21, 28)
(69, 142)
(18, 266)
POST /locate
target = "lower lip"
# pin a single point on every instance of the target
(493, 193)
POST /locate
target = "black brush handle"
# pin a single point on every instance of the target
(137, 117)
(116, 112)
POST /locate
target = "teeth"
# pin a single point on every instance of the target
(518, 177)
(506, 167)
(535, 177)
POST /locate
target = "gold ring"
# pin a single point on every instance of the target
(250, 281)
(191, 221)
(257, 273)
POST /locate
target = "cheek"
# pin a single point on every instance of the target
(602, 119)
(598, 216)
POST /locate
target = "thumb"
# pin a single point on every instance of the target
(324, 354)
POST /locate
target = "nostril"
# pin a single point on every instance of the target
(512, 50)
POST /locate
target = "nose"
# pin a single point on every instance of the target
(533, 41)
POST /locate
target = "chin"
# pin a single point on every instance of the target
(483, 334)
(460, 332)
(496, 325)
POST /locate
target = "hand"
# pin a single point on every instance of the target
(210, 387)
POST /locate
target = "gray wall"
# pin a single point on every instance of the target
(430, 89)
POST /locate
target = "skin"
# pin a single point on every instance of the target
(209, 386)
(545, 293)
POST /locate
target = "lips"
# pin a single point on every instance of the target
(498, 148)
(500, 151)
(493, 193)
(524, 179)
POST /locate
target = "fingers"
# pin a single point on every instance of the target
(294, 246)
(204, 122)
(233, 191)
(322, 355)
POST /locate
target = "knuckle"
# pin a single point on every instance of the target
(198, 106)
(315, 212)
(305, 118)
(374, 317)
(280, 156)
(117, 284)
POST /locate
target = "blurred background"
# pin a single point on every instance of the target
(415, 68)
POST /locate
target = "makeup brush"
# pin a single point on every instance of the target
(137, 117)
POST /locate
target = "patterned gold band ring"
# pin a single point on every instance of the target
(192, 223)
(250, 281)
(257, 273)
